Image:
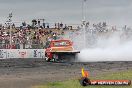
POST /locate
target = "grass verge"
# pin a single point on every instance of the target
(75, 83)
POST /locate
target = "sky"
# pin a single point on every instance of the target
(114, 12)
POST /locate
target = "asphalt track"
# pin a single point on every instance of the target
(26, 73)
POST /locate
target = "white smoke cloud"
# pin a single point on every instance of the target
(115, 47)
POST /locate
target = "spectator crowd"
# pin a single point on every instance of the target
(36, 35)
(29, 36)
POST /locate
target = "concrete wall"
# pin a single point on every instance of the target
(21, 53)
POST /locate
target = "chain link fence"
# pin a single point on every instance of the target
(4, 44)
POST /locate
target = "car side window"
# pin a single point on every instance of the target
(47, 44)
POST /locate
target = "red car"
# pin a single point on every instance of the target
(60, 50)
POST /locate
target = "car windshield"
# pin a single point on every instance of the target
(62, 43)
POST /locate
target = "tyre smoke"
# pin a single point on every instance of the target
(104, 46)
(115, 47)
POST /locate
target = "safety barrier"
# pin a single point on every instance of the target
(21, 53)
